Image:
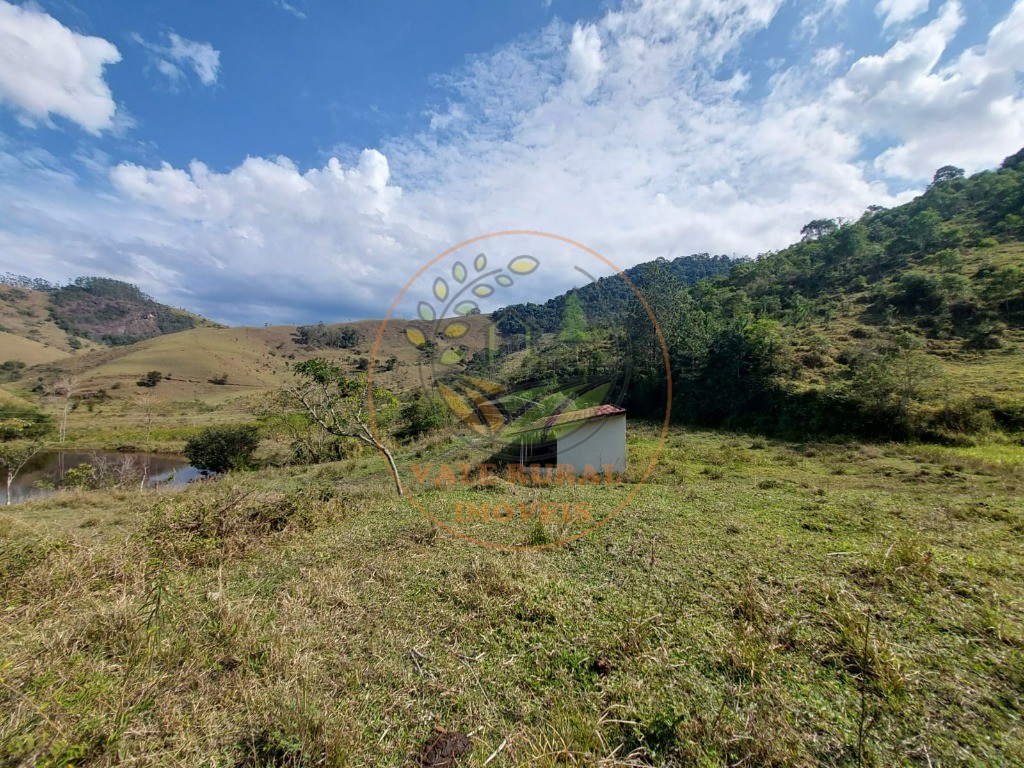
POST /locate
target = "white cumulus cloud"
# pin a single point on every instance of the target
(970, 112)
(47, 69)
(640, 134)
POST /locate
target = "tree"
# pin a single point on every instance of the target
(11, 370)
(423, 413)
(151, 379)
(1016, 160)
(924, 228)
(14, 455)
(21, 433)
(23, 423)
(339, 405)
(223, 448)
(947, 173)
(818, 228)
(62, 391)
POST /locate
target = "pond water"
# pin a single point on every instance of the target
(48, 472)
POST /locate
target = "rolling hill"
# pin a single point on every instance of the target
(217, 365)
(906, 323)
(88, 313)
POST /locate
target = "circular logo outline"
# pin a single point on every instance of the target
(668, 379)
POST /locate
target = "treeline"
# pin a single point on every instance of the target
(28, 283)
(321, 336)
(606, 301)
(758, 348)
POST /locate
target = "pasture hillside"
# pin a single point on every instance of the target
(25, 314)
(210, 375)
(758, 603)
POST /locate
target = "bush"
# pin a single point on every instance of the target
(151, 379)
(11, 370)
(221, 449)
(422, 414)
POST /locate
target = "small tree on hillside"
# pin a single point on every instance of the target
(14, 455)
(947, 173)
(21, 435)
(151, 379)
(818, 228)
(339, 405)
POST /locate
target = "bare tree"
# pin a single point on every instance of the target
(339, 405)
(62, 391)
(14, 455)
(145, 400)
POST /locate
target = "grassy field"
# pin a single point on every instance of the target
(27, 351)
(25, 315)
(162, 418)
(759, 603)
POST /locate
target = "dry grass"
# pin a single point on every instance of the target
(776, 614)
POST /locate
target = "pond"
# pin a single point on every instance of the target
(49, 472)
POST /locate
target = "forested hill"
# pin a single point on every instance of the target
(102, 310)
(906, 323)
(607, 301)
(947, 263)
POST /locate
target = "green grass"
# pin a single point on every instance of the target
(759, 603)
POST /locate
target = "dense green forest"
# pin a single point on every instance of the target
(850, 331)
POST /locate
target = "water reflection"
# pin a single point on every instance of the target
(49, 472)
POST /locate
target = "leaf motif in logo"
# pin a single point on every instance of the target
(466, 307)
(415, 336)
(440, 289)
(484, 385)
(483, 290)
(488, 409)
(523, 265)
(426, 311)
(462, 409)
(480, 262)
(459, 272)
(503, 280)
(451, 357)
(456, 330)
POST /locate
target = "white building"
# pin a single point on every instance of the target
(591, 437)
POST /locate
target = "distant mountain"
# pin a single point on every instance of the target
(95, 309)
(607, 301)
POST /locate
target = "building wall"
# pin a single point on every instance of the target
(599, 442)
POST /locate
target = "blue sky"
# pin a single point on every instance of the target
(272, 161)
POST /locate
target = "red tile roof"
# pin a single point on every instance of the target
(584, 414)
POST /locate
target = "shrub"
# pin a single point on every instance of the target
(220, 449)
(151, 379)
(422, 414)
(11, 370)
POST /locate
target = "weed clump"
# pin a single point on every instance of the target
(210, 528)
